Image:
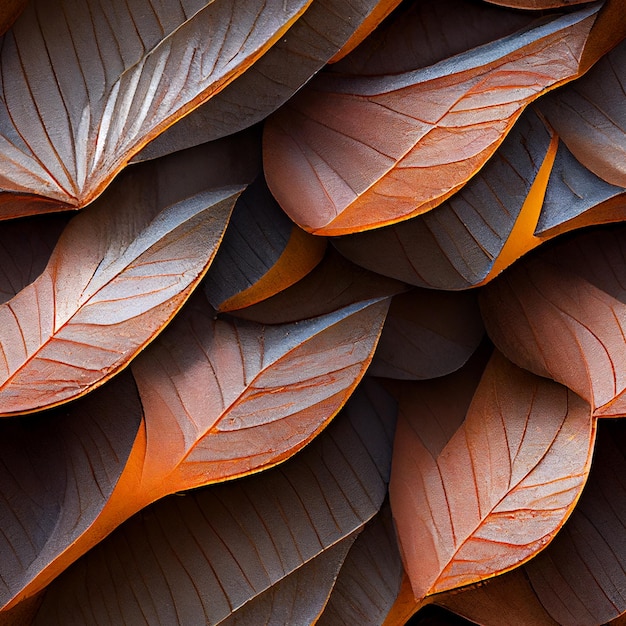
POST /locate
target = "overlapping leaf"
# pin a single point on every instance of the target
(9, 12)
(353, 153)
(322, 32)
(427, 334)
(85, 87)
(483, 480)
(262, 254)
(226, 397)
(116, 276)
(561, 315)
(210, 554)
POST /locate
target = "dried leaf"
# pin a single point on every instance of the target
(262, 254)
(354, 153)
(117, 275)
(427, 334)
(369, 579)
(332, 285)
(87, 87)
(590, 118)
(561, 315)
(581, 577)
(478, 232)
(477, 492)
(276, 76)
(223, 398)
(9, 12)
(200, 558)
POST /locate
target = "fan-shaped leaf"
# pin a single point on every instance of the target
(353, 153)
(86, 86)
(226, 397)
(57, 472)
(262, 254)
(200, 558)
(326, 26)
(369, 579)
(474, 235)
(476, 494)
(590, 118)
(117, 275)
(333, 284)
(581, 577)
(562, 315)
(427, 334)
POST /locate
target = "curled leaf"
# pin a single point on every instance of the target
(354, 153)
(476, 491)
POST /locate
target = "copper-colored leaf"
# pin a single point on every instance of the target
(262, 254)
(369, 579)
(506, 600)
(117, 275)
(590, 117)
(581, 577)
(561, 314)
(276, 76)
(226, 397)
(427, 334)
(476, 493)
(354, 153)
(9, 12)
(333, 284)
(86, 86)
(57, 472)
(198, 559)
(478, 232)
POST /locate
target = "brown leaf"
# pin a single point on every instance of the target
(9, 12)
(333, 284)
(427, 334)
(581, 577)
(57, 473)
(479, 231)
(590, 118)
(354, 153)
(369, 579)
(223, 398)
(561, 314)
(117, 275)
(87, 87)
(477, 492)
(200, 558)
(276, 76)
(262, 254)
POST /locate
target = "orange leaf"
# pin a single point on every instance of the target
(354, 153)
(476, 493)
(86, 87)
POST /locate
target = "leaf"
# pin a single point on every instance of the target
(87, 87)
(506, 600)
(117, 275)
(262, 254)
(590, 118)
(354, 153)
(333, 284)
(419, 34)
(477, 492)
(223, 398)
(369, 578)
(427, 334)
(561, 315)
(580, 578)
(57, 473)
(201, 557)
(479, 231)
(9, 12)
(276, 76)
